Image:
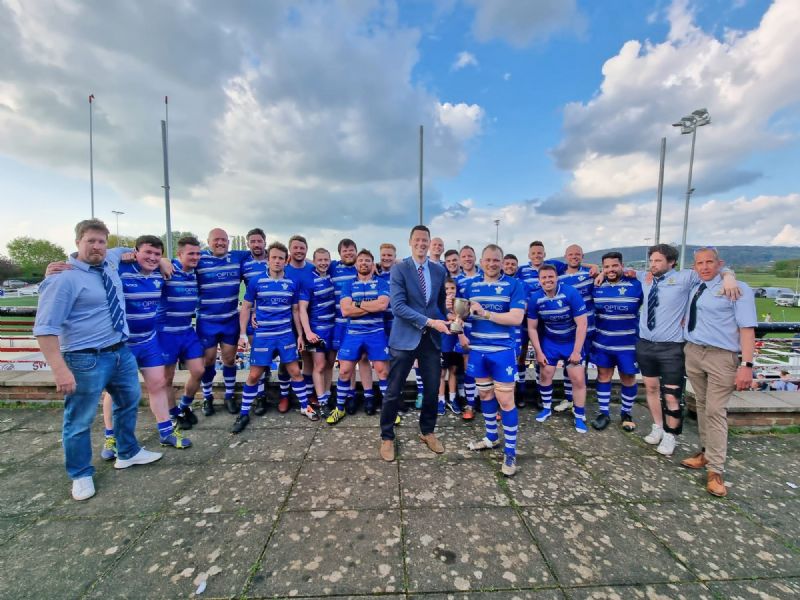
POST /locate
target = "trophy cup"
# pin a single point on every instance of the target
(461, 310)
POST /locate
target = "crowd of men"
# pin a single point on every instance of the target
(467, 319)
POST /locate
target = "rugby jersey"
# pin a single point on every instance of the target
(321, 302)
(179, 299)
(253, 267)
(616, 307)
(218, 284)
(557, 314)
(584, 283)
(359, 291)
(388, 315)
(530, 274)
(142, 301)
(341, 273)
(495, 296)
(273, 300)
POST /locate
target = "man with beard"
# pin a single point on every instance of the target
(255, 265)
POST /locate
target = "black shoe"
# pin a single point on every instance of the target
(183, 422)
(350, 406)
(232, 405)
(521, 402)
(241, 422)
(601, 421)
(188, 413)
(369, 407)
(261, 405)
(627, 421)
(208, 406)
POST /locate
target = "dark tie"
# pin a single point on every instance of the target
(423, 287)
(693, 306)
(652, 303)
(114, 305)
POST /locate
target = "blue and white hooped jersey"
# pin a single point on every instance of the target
(557, 314)
(616, 308)
(340, 274)
(302, 276)
(321, 302)
(386, 276)
(359, 291)
(529, 274)
(218, 281)
(142, 301)
(273, 300)
(495, 296)
(253, 267)
(584, 284)
(179, 300)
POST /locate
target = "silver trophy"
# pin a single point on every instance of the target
(461, 311)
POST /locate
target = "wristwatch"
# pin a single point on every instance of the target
(746, 363)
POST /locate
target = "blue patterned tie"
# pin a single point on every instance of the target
(652, 303)
(114, 305)
(421, 276)
(693, 306)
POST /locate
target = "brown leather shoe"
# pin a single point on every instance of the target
(715, 485)
(698, 461)
(387, 450)
(283, 404)
(432, 443)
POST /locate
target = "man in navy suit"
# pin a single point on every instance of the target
(418, 304)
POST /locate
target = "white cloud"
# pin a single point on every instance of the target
(464, 59)
(520, 23)
(788, 236)
(506, 76)
(463, 120)
(611, 143)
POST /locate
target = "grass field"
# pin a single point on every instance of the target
(19, 301)
(767, 280)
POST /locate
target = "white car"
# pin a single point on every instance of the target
(784, 299)
(29, 290)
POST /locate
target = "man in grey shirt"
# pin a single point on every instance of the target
(81, 329)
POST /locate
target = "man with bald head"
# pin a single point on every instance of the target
(436, 250)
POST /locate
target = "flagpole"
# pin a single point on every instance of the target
(91, 154)
(166, 175)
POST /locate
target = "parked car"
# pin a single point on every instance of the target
(772, 292)
(784, 299)
(29, 290)
(14, 284)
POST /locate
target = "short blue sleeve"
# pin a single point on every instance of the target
(518, 296)
(250, 291)
(347, 289)
(533, 306)
(576, 302)
(383, 288)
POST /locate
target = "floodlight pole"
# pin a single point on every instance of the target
(91, 155)
(689, 191)
(660, 190)
(421, 222)
(166, 186)
(117, 213)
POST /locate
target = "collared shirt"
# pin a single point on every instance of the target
(218, 282)
(179, 299)
(426, 273)
(584, 285)
(718, 318)
(558, 313)
(321, 302)
(340, 273)
(498, 296)
(616, 307)
(73, 306)
(673, 294)
(530, 274)
(143, 301)
(273, 300)
(359, 291)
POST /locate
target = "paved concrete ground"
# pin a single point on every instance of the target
(296, 509)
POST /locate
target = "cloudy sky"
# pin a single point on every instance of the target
(304, 116)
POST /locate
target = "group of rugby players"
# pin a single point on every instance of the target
(309, 313)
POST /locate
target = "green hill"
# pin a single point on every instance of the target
(738, 257)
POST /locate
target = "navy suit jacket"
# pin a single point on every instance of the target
(409, 307)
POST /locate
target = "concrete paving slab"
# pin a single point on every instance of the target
(782, 516)
(323, 553)
(66, 556)
(682, 591)
(548, 481)
(450, 483)
(548, 594)
(536, 441)
(41, 419)
(271, 444)
(21, 446)
(454, 439)
(242, 487)
(346, 484)
(763, 476)
(176, 555)
(717, 542)
(472, 549)
(759, 589)
(612, 441)
(11, 526)
(744, 445)
(601, 544)
(31, 490)
(345, 443)
(645, 477)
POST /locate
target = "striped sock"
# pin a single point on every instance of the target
(109, 433)
(186, 402)
(510, 419)
(628, 397)
(283, 380)
(174, 411)
(418, 377)
(309, 382)
(248, 396)
(342, 390)
(489, 408)
(165, 429)
(603, 389)
(383, 385)
(469, 389)
(546, 393)
(323, 399)
(299, 389)
(208, 381)
(579, 412)
(229, 376)
(262, 383)
(521, 378)
(369, 396)
(567, 386)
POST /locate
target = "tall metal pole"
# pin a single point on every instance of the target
(660, 190)
(166, 186)
(421, 221)
(497, 232)
(118, 213)
(688, 197)
(91, 155)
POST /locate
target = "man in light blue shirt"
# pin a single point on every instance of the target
(717, 330)
(81, 330)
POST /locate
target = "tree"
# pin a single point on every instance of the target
(125, 241)
(8, 268)
(786, 268)
(33, 255)
(176, 235)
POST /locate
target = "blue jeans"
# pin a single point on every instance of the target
(115, 372)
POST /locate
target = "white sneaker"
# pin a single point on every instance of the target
(563, 406)
(655, 435)
(667, 445)
(142, 457)
(83, 488)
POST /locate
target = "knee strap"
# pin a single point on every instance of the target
(487, 387)
(677, 413)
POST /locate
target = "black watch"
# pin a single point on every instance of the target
(745, 363)
(358, 303)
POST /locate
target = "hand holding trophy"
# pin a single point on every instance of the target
(461, 311)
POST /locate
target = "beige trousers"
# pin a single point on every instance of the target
(712, 373)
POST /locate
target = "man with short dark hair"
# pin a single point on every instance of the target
(418, 303)
(81, 330)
